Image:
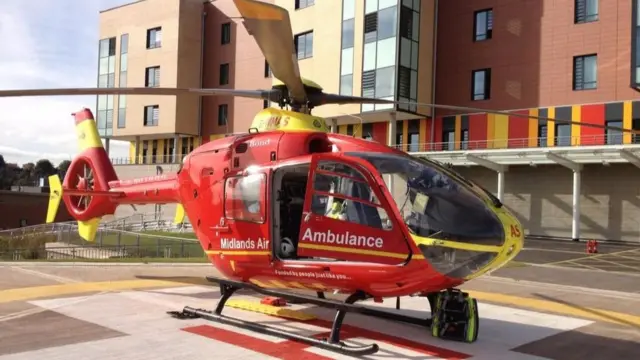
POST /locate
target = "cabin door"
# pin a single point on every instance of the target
(346, 216)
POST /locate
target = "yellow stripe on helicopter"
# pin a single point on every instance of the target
(271, 119)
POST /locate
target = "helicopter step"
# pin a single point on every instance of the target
(450, 316)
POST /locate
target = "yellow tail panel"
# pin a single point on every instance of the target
(88, 229)
(179, 218)
(55, 195)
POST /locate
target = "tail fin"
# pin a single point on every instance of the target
(90, 172)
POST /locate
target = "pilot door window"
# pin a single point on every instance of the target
(244, 198)
(342, 193)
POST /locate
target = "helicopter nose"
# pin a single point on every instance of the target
(466, 255)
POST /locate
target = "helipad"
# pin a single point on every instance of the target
(127, 319)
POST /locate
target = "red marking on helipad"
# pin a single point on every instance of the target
(292, 350)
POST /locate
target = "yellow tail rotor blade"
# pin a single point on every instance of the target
(179, 218)
(55, 195)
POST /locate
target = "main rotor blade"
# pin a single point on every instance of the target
(254, 94)
(271, 27)
(318, 99)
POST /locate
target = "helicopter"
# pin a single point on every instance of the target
(291, 210)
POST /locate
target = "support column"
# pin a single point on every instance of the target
(334, 126)
(107, 143)
(174, 155)
(136, 157)
(498, 168)
(576, 168)
(500, 195)
(575, 224)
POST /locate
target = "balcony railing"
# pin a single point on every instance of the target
(520, 143)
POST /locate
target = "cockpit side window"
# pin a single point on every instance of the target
(341, 192)
(244, 198)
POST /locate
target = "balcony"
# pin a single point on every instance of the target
(524, 143)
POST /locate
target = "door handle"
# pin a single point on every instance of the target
(220, 228)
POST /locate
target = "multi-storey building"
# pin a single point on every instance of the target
(175, 43)
(558, 59)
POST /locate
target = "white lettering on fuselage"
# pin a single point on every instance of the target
(248, 244)
(345, 238)
(256, 143)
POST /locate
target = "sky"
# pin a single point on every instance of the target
(51, 45)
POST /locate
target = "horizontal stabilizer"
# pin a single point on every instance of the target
(55, 195)
(88, 229)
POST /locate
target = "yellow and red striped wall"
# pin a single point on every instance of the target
(489, 131)
(163, 153)
(481, 131)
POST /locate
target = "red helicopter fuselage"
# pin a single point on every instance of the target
(313, 210)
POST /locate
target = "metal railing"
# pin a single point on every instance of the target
(137, 236)
(522, 143)
(518, 143)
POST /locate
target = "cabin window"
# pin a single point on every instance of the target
(244, 198)
(341, 192)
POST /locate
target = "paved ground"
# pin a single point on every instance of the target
(610, 257)
(119, 311)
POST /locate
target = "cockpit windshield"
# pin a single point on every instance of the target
(435, 203)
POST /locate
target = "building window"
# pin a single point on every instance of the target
(464, 145)
(585, 11)
(304, 45)
(483, 25)
(152, 76)
(122, 111)
(563, 135)
(347, 43)
(154, 38)
(635, 44)
(151, 115)
(225, 33)
(585, 72)
(267, 70)
(448, 140)
(614, 137)
(301, 4)
(409, 32)
(122, 80)
(481, 84)
(542, 135)
(106, 79)
(224, 74)
(367, 131)
(223, 112)
(380, 55)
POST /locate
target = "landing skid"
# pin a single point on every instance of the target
(443, 319)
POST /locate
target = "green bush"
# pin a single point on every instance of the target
(30, 246)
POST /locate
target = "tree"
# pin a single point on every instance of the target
(27, 175)
(44, 168)
(63, 167)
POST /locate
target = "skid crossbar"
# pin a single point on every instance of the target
(333, 343)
